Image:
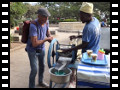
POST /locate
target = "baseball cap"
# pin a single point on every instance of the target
(43, 11)
(87, 7)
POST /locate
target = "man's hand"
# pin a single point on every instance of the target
(66, 50)
(49, 39)
(72, 37)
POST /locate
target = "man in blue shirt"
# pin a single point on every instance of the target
(103, 23)
(91, 31)
(36, 47)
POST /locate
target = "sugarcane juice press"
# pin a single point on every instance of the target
(59, 62)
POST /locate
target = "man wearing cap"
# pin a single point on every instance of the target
(91, 31)
(36, 47)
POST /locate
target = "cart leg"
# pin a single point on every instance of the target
(64, 85)
(50, 85)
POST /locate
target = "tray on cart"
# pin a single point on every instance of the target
(85, 59)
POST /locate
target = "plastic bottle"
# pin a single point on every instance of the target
(101, 54)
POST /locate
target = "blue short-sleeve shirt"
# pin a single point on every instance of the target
(40, 33)
(91, 34)
(102, 23)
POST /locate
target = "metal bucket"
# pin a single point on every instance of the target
(60, 79)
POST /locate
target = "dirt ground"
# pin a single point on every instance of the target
(16, 44)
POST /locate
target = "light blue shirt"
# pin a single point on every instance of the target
(41, 34)
(91, 34)
(103, 23)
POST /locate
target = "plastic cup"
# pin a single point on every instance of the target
(59, 51)
(89, 52)
(94, 57)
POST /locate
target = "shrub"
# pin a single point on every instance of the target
(12, 24)
(15, 23)
(11, 39)
(69, 20)
(61, 20)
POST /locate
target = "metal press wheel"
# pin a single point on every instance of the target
(52, 56)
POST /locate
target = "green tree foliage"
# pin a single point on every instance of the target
(102, 6)
(17, 10)
(31, 11)
(70, 10)
(62, 10)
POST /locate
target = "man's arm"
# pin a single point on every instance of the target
(81, 46)
(80, 36)
(74, 37)
(36, 42)
(48, 34)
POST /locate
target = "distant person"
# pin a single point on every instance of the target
(91, 31)
(36, 47)
(103, 23)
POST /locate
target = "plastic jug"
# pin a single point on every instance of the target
(101, 54)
